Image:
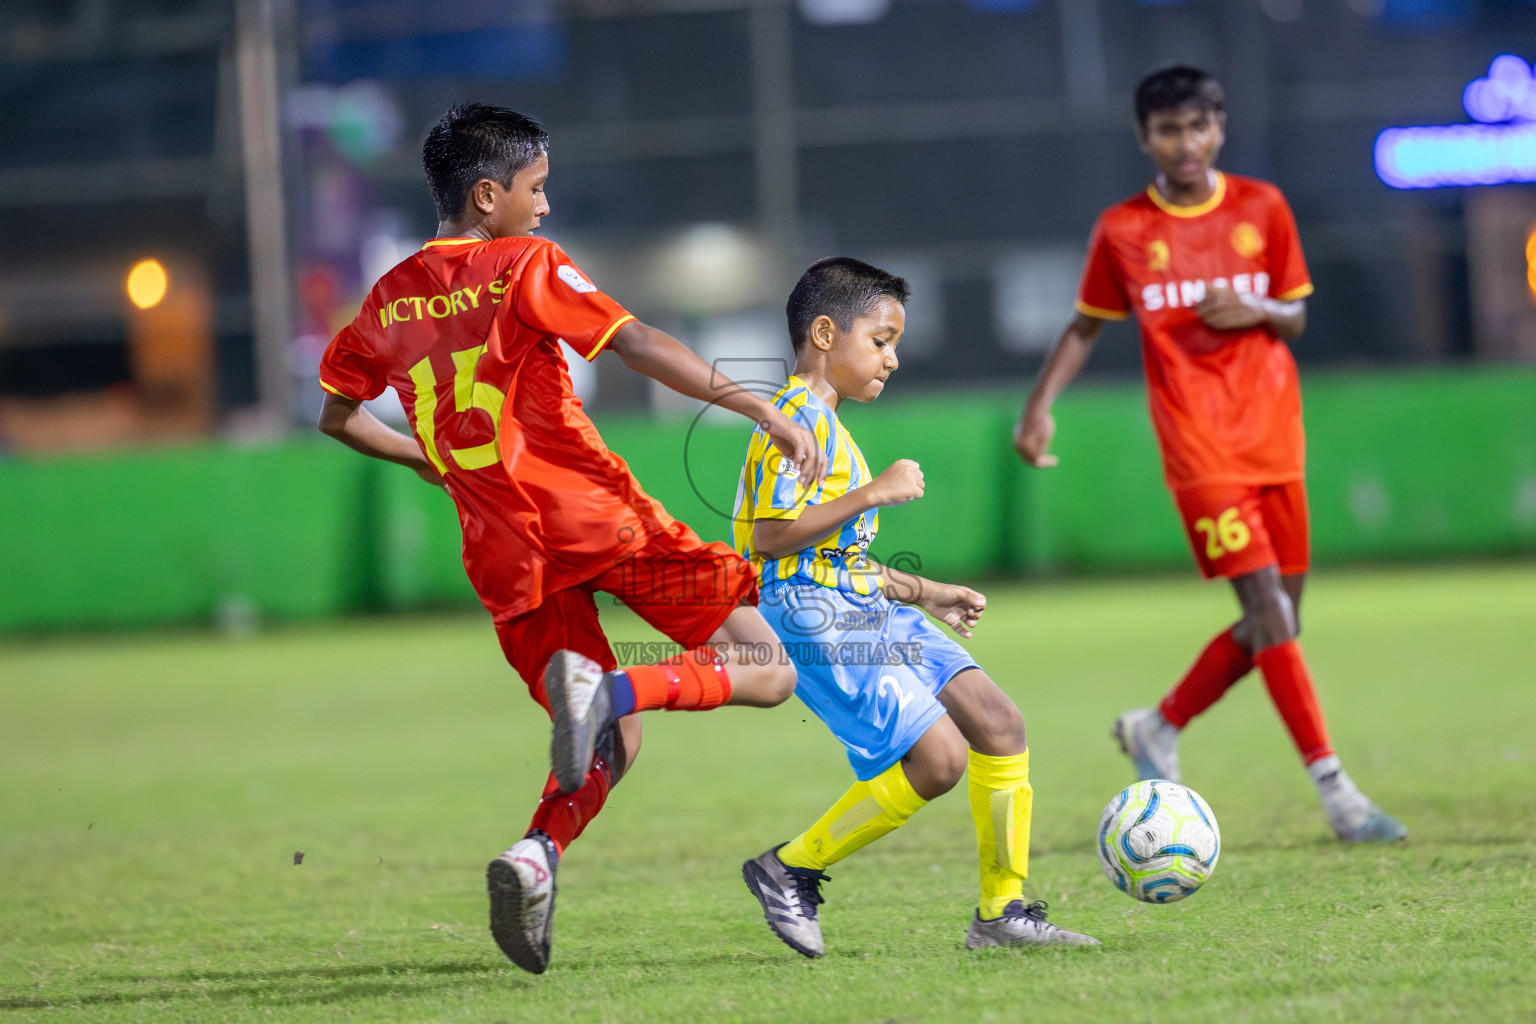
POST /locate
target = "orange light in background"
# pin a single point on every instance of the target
(1530, 261)
(147, 282)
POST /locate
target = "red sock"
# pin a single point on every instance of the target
(693, 681)
(1222, 663)
(1290, 687)
(563, 816)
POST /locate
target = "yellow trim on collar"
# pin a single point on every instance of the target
(450, 241)
(1190, 211)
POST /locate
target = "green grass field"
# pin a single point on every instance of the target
(154, 789)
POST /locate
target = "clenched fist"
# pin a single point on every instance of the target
(901, 482)
(1032, 439)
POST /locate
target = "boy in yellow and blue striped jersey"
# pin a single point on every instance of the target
(908, 702)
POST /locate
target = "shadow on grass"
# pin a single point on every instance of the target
(325, 972)
(296, 986)
(1416, 842)
(282, 987)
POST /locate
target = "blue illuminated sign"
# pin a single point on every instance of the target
(1506, 93)
(1499, 150)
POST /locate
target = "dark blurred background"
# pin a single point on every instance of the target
(264, 154)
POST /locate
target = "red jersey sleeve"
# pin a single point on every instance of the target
(1100, 294)
(351, 366)
(555, 298)
(1288, 277)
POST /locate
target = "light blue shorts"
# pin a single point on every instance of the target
(870, 668)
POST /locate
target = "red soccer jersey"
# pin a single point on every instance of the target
(1226, 404)
(468, 332)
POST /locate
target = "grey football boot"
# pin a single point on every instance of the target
(1151, 743)
(581, 704)
(1022, 925)
(789, 897)
(1351, 814)
(522, 888)
(1378, 827)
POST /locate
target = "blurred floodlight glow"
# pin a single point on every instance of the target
(710, 268)
(1506, 93)
(147, 282)
(1530, 261)
(1459, 154)
(843, 12)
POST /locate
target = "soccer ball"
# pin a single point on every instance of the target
(1158, 841)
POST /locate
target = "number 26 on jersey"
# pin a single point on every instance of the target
(1224, 534)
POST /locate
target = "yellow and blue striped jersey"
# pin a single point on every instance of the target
(770, 489)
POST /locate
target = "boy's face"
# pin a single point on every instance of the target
(860, 359)
(509, 212)
(1183, 142)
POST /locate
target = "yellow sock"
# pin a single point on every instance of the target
(1001, 801)
(866, 812)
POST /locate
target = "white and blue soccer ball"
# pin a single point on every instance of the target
(1158, 841)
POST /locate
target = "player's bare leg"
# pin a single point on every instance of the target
(1268, 629)
(1294, 584)
(742, 664)
(985, 716)
(1269, 611)
(1002, 802)
(745, 640)
(936, 761)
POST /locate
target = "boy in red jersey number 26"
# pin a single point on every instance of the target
(1211, 267)
(468, 332)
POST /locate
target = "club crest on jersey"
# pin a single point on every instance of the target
(571, 276)
(854, 554)
(1246, 240)
(1157, 255)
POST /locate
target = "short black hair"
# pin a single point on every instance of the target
(473, 141)
(1175, 86)
(842, 288)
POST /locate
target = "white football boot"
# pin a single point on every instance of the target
(522, 888)
(1022, 925)
(581, 705)
(1351, 814)
(1151, 742)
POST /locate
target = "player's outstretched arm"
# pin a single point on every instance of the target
(347, 421)
(663, 358)
(901, 482)
(1036, 427)
(957, 607)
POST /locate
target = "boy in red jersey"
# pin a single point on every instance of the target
(1211, 267)
(468, 332)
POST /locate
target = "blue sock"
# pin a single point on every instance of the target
(622, 695)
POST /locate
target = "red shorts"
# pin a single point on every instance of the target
(1235, 529)
(677, 583)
